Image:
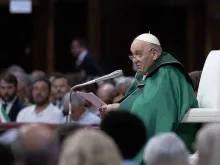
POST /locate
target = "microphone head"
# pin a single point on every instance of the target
(114, 74)
(118, 73)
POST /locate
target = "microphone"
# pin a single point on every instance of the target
(112, 75)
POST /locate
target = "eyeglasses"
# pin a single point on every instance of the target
(139, 56)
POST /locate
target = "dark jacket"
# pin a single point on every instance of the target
(15, 109)
(90, 66)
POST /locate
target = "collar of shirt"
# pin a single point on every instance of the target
(43, 111)
(59, 104)
(83, 115)
(9, 104)
(81, 57)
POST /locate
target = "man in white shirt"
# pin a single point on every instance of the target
(80, 114)
(42, 110)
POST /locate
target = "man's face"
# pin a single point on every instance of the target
(60, 87)
(107, 95)
(76, 48)
(142, 55)
(40, 93)
(8, 91)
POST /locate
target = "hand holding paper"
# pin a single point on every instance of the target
(110, 107)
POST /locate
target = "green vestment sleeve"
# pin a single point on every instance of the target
(161, 100)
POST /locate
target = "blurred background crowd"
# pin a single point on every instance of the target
(63, 43)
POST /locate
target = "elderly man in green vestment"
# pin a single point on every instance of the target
(162, 93)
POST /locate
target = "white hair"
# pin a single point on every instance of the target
(166, 149)
(76, 100)
(123, 80)
(15, 68)
(104, 88)
(208, 144)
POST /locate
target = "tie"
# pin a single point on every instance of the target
(59, 105)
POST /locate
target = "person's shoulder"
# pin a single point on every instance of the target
(169, 70)
(54, 109)
(93, 117)
(174, 74)
(24, 113)
(27, 109)
(51, 106)
(19, 104)
(90, 114)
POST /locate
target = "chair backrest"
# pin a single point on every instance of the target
(209, 88)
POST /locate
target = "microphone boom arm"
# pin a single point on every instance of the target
(114, 74)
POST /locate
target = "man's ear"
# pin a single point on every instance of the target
(155, 55)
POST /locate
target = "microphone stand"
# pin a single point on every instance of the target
(106, 77)
(70, 103)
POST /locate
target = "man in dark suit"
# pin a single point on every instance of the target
(10, 104)
(84, 61)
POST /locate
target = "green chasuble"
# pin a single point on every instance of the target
(161, 98)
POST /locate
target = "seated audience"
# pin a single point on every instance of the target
(10, 104)
(24, 89)
(91, 147)
(195, 76)
(128, 132)
(16, 70)
(208, 145)
(75, 78)
(166, 149)
(42, 110)
(106, 93)
(52, 95)
(36, 144)
(80, 114)
(121, 89)
(36, 74)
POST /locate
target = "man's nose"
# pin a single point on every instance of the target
(135, 60)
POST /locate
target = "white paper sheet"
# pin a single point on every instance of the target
(92, 98)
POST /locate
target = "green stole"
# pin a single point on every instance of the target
(4, 114)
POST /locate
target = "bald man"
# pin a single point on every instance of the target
(162, 92)
(107, 92)
(35, 144)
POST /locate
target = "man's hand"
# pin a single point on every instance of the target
(110, 107)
